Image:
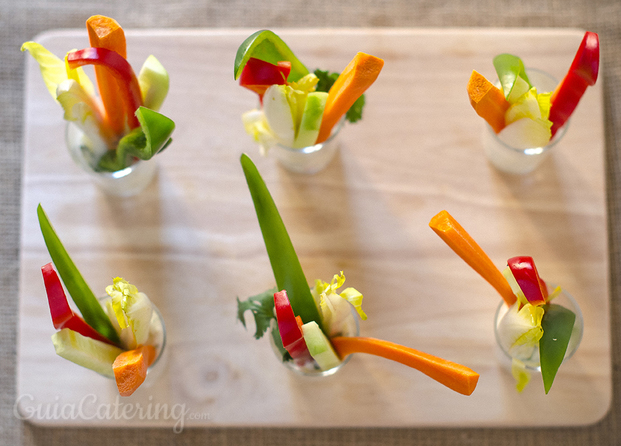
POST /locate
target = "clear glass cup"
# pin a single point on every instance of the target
(530, 359)
(311, 159)
(311, 368)
(522, 160)
(157, 338)
(123, 183)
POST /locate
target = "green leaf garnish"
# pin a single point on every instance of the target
(78, 289)
(285, 263)
(143, 142)
(557, 324)
(509, 68)
(267, 46)
(262, 308)
(326, 80)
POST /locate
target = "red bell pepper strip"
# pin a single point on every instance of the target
(526, 275)
(582, 73)
(62, 315)
(129, 88)
(258, 75)
(290, 332)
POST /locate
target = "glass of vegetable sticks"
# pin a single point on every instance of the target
(123, 183)
(522, 160)
(529, 357)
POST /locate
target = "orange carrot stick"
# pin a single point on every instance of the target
(130, 368)
(359, 74)
(104, 32)
(457, 377)
(488, 101)
(465, 247)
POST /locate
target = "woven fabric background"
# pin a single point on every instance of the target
(21, 20)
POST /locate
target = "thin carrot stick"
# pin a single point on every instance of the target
(488, 101)
(457, 377)
(465, 247)
(104, 32)
(130, 368)
(359, 74)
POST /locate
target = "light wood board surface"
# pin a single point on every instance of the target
(192, 243)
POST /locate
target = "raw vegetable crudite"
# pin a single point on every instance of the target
(122, 124)
(119, 337)
(534, 332)
(316, 328)
(517, 111)
(528, 110)
(298, 108)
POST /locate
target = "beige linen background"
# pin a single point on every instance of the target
(21, 20)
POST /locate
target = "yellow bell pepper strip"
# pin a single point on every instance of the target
(267, 46)
(120, 69)
(62, 315)
(582, 74)
(105, 32)
(456, 237)
(455, 376)
(283, 258)
(525, 272)
(78, 289)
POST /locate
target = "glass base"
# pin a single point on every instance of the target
(122, 183)
(311, 159)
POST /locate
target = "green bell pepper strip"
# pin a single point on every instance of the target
(267, 46)
(557, 324)
(509, 68)
(92, 312)
(143, 142)
(285, 263)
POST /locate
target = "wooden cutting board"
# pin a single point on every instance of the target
(191, 241)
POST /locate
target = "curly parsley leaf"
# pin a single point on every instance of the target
(262, 308)
(326, 80)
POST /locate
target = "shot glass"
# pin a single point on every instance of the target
(522, 160)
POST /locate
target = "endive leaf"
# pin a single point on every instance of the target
(285, 263)
(87, 303)
(267, 46)
(52, 67)
(557, 324)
